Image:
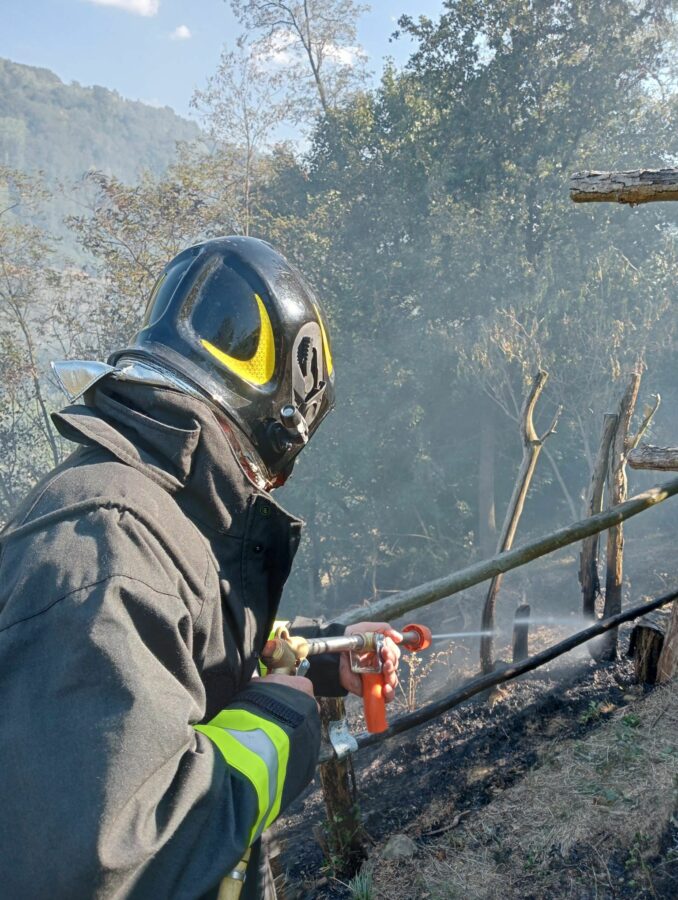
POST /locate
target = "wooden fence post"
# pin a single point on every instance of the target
(521, 633)
(345, 838)
(668, 661)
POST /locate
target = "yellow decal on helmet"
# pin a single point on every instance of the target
(258, 369)
(326, 343)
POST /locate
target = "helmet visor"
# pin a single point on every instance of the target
(225, 315)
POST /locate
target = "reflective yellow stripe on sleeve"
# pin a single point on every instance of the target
(259, 750)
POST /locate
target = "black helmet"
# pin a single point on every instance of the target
(233, 317)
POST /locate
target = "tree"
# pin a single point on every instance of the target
(315, 41)
(132, 232)
(434, 207)
(28, 442)
(243, 107)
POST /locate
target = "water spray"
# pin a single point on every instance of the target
(461, 634)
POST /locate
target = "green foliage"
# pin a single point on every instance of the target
(432, 216)
(360, 886)
(632, 720)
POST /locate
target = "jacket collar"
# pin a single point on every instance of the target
(176, 441)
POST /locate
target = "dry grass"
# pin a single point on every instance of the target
(608, 796)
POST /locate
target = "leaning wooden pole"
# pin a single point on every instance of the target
(390, 608)
(636, 186)
(532, 445)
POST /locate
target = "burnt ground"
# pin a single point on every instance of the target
(420, 782)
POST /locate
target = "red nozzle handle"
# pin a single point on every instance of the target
(374, 705)
(424, 637)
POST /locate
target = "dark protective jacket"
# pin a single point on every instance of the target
(138, 583)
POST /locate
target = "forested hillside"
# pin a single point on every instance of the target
(65, 130)
(432, 215)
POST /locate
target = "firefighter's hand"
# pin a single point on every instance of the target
(390, 656)
(298, 682)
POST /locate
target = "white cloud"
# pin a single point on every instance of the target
(284, 49)
(137, 7)
(181, 33)
(345, 56)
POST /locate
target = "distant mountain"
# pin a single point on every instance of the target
(66, 129)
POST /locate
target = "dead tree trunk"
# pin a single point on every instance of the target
(532, 445)
(617, 488)
(623, 444)
(648, 457)
(668, 661)
(344, 839)
(637, 186)
(588, 559)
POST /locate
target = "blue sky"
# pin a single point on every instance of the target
(133, 46)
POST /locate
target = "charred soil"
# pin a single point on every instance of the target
(483, 793)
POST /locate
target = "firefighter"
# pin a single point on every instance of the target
(141, 754)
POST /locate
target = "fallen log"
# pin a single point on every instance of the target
(506, 673)
(389, 608)
(648, 457)
(636, 186)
